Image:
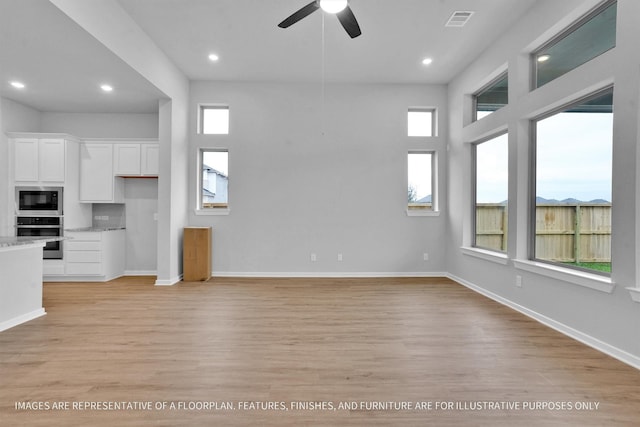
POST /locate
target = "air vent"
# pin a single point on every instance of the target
(459, 19)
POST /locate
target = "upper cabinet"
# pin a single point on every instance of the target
(97, 183)
(133, 159)
(104, 165)
(39, 160)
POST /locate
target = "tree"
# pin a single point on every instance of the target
(412, 194)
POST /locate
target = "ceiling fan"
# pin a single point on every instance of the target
(340, 8)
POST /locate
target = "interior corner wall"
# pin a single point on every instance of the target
(607, 321)
(14, 117)
(172, 185)
(323, 174)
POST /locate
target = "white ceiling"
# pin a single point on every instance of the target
(63, 66)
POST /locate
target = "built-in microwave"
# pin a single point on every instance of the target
(40, 201)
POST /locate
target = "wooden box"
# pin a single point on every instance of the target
(196, 256)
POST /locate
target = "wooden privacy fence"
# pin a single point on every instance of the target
(564, 232)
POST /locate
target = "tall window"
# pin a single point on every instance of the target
(213, 120)
(421, 122)
(214, 181)
(590, 37)
(573, 169)
(420, 178)
(491, 193)
(492, 97)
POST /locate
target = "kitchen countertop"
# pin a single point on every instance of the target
(10, 241)
(93, 229)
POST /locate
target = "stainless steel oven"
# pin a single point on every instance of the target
(42, 226)
(39, 201)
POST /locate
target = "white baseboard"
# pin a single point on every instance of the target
(283, 275)
(586, 339)
(7, 324)
(169, 282)
(140, 273)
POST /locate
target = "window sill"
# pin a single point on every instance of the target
(422, 212)
(635, 294)
(485, 254)
(581, 278)
(212, 212)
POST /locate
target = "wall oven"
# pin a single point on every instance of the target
(42, 226)
(39, 201)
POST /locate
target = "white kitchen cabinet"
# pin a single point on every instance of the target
(97, 182)
(94, 255)
(51, 160)
(39, 160)
(136, 159)
(127, 159)
(149, 159)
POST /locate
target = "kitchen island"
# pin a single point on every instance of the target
(21, 279)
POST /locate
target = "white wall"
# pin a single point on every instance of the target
(326, 178)
(605, 320)
(14, 117)
(141, 206)
(94, 125)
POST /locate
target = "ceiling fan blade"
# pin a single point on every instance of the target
(349, 22)
(302, 13)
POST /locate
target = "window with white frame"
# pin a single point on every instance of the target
(214, 178)
(213, 119)
(587, 39)
(491, 179)
(492, 97)
(420, 180)
(573, 184)
(421, 122)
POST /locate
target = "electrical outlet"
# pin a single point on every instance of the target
(314, 258)
(339, 257)
(425, 256)
(519, 281)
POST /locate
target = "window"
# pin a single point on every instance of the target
(491, 193)
(421, 122)
(214, 120)
(590, 37)
(573, 181)
(214, 180)
(420, 178)
(491, 98)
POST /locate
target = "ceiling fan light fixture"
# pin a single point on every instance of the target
(333, 6)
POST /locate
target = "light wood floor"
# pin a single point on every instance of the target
(301, 340)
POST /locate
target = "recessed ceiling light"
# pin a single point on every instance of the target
(17, 85)
(543, 58)
(213, 57)
(333, 6)
(106, 88)
(427, 61)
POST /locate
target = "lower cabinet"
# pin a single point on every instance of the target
(94, 255)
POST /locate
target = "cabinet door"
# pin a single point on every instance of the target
(25, 159)
(96, 172)
(127, 159)
(51, 160)
(150, 162)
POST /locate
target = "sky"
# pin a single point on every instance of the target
(574, 156)
(219, 160)
(574, 159)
